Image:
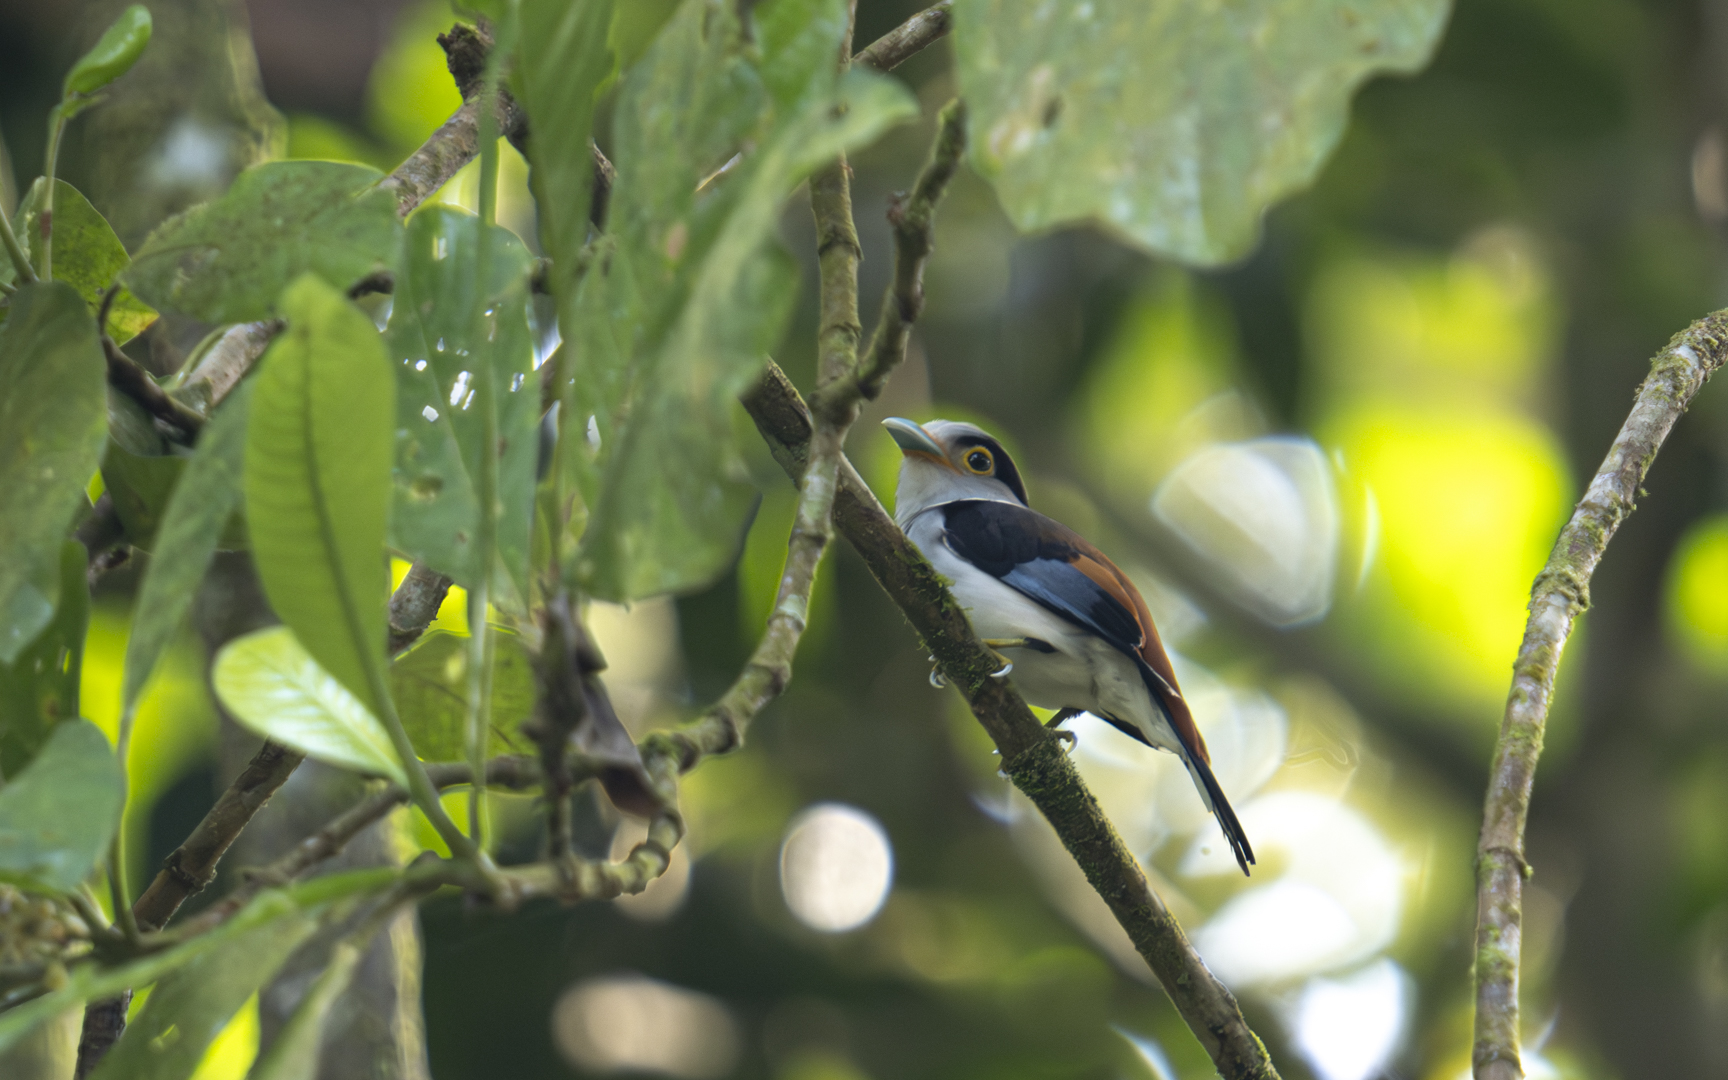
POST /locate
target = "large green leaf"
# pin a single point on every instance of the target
(562, 59)
(429, 684)
(57, 816)
(188, 1008)
(273, 686)
(40, 688)
(687, 294)
(317, 482)
(229, 260)
(92, 981)
(293, 1053)
(442, 347)
(192, 526)
(87, 255)
(1175, 123)
(53, 419)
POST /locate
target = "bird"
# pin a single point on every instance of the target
(1071, 628)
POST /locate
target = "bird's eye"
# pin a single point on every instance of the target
(979, 461)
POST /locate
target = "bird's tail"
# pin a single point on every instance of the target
(1213, 796)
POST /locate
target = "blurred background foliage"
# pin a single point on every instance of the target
(1334, 468)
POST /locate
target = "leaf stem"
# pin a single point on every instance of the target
(118, 885)
(51, 161)
(20, 261)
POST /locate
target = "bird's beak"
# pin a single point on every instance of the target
(913, 439)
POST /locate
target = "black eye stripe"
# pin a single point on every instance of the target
(1001, 465)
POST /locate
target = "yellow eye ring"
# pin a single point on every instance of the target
(978, 459)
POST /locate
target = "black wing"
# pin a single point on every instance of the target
(1037, 556)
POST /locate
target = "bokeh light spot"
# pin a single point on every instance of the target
(1264, 516)
(1348, 1028)
(628, 1022)
(1698, 593)
(836, 867)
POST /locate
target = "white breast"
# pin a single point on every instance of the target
(1083, 673)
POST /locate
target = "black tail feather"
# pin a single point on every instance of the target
(1221, 809)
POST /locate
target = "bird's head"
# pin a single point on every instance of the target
(945, 461)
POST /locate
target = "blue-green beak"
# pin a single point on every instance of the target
(911, 438)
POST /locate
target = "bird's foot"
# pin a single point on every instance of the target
(1055, 725)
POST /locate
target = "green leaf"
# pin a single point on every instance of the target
(140, 486)
(317, 482)
(439, 357)
(87, 255)
(91, 981)
(1175, 124)
(229, 260)
(563, 58)
(40, 688)
(189, 1007)
(193, 524)
(58, 815)
(688, 293)
(273, 686)
(53, 419)
(293, 1053)
(430, 686)
(112, 56)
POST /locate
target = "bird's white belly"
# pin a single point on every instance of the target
(1083, 672)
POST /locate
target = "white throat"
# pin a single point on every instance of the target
(924, 484)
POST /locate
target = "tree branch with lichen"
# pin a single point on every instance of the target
(1032, 757)
(1560, 594)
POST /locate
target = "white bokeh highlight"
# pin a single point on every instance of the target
(631, 1023)
(1263, 515)
(1348, 1028)
(836, 867)
(1337, 903)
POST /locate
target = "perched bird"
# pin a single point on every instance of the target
(1074, 628)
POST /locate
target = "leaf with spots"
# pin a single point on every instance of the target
(1174, 124)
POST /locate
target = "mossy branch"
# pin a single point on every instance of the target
(1560, 594)
(1032, 757)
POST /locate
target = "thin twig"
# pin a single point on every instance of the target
(910, 37)
(562, 708)
(765, 675)
(415, 604)
(1032, 757)
(173, 418)
(1559, 596)
(192, 866)
(914, 220)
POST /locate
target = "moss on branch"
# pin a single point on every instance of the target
(1560, 594)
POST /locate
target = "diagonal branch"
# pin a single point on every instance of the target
(1559, 596)
(911, 36)
(1032, 757)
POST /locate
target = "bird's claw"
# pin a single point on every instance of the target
(1066, 736)
(937, 679)
(1007, 666)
